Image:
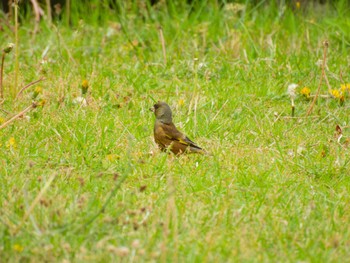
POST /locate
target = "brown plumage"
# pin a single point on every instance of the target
(167, 136)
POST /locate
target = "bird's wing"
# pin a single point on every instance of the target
(172, 133)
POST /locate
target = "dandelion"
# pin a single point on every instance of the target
(18, 248)
(41, 103)
(2, 120)
(345, 87)
(11, 143)
(38, 90)
(8, 48)
(181, 102)
(291, 92)
(305, 92)
(335, 93)
(338, 95)
(297, 4)
(84, 87)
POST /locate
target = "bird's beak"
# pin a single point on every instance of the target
(151, 109)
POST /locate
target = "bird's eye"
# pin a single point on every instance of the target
(156, 106)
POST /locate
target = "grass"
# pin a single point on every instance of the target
(274, 188)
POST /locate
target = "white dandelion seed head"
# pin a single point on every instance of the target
(291, 90)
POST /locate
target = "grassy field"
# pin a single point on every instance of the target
(86, 183)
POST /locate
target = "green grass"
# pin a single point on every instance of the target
(274, 188)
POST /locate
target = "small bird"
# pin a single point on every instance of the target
(167, 136)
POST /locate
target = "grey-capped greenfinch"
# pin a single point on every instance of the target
(167, 136)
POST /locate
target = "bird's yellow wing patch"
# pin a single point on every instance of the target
(179, 139)
(183, 141)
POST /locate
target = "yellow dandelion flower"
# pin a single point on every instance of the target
(11, 143)
(18, 248)
(305, 92)
(38, 90)
(343, 87)
(41, 103)
(181, 102)
(2, 120)
(297, 4)
(335, 93)
(84, 86)
(112, 157)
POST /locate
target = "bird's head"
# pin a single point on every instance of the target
(162, 112)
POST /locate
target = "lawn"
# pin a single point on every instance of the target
(82, 180)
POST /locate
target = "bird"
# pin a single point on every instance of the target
(167, 136)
